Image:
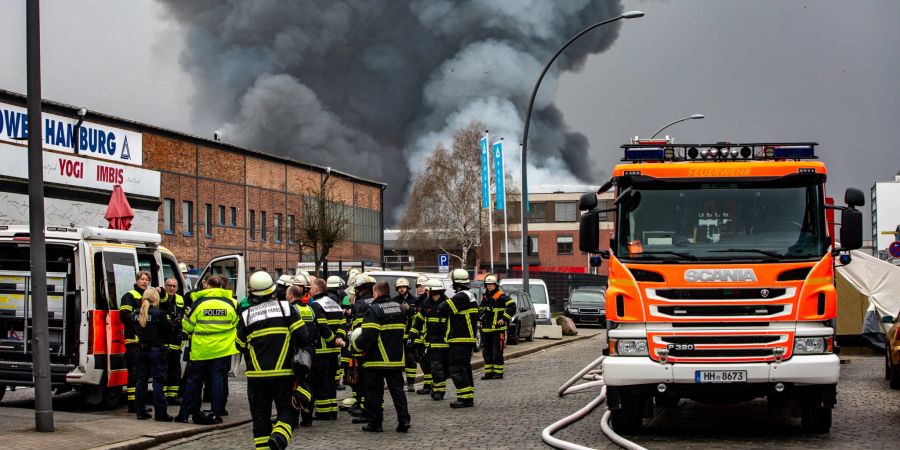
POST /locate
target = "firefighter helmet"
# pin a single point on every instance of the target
(364, 280)
(261, 283)
(401, 282)
(300, 280)
(459, 276)
(490, 279)
(435, 285)
(354, 335)
(285, 280)
(334, 281)
(421, 280)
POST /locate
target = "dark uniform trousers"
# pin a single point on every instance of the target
(375, 379)
(460, 356)
(132, 353)
(261, 393)
(438, 364)
(492, 352)
(324, 389)
(421, 357)
(410, 369)
(173, 374)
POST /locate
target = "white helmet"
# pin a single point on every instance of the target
(285, 280)
(421, 280)
(401, 282)
(354, 335)
(363, 280)
(490, 279)
(352, 273)
(460, 276)
(300, 280)
(261, 283)
(334, 281)
(435, 285)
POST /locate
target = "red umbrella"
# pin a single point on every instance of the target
(119, 213)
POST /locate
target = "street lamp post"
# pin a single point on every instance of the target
(537, 84)
(690, 117)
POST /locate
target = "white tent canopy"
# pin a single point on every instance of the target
(878, 280)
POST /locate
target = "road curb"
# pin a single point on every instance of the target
(151, 440)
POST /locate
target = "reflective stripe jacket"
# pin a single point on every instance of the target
(129, 310)
(495, 305)
(382, 335)
(461, 311)
(212, 324)
(409, 312)
(429, 327)
(329, 321)
(269, 333)
(176, 311)
(360, 307)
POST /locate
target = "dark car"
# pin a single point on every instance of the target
(587, 305)
(523, 323)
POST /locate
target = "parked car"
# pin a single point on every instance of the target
(538, 294)
(587, 305)
(524, 322)
(892, 351)
(391, 277)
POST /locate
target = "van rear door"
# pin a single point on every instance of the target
(115, 267)
(232, 266)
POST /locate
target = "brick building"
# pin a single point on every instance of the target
(553, 224)
(209, 199)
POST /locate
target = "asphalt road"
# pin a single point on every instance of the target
(511, 414)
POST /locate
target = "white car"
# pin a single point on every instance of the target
(540, 297)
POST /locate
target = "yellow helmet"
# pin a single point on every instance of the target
(261, 283)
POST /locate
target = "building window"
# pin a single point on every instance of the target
(278, 273)
(169, 215)
(262, 226)
(252, 225)
(208, 220)
(564, 245)
(233, 216)
(538, 212)
(187, 218)
(365, 224)
(276, 222)
(290, 228)
(221, 215)
(565, 211)
(534, 245)
(515, 245)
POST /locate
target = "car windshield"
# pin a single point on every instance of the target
(587, 297)
(721, 221)
(538, 296)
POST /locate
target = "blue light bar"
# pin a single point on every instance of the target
(793, 152)
(644, 154)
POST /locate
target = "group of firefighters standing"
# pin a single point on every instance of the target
(302, 337)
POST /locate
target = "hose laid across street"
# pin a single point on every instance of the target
(595, 375)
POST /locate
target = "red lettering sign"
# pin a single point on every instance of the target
(71, 169)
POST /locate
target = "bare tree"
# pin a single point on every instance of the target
(444, 207)
(325, 222)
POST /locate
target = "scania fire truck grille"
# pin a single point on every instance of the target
(721, 311)
(720, 339)
(721, 353)
(721, 294)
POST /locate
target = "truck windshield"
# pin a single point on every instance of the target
(671, 221)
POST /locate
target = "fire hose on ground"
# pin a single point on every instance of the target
(595, 379)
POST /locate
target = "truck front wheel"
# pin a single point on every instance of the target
(629, 417)
(815, 417)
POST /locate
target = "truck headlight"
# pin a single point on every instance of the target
(812, 345)
(631, 347)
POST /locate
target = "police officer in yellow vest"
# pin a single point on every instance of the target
(211, 322)
(269, 333)
(129, 309)
(175, 342)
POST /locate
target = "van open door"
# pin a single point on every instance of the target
(232, 266)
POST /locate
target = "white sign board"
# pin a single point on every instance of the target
(82, 172)
(97, 141)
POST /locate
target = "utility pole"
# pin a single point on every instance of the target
(40, 350)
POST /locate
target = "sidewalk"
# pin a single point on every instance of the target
(78, 427)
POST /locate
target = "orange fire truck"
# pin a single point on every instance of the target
(721, 278)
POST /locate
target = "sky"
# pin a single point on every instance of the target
(826, 71)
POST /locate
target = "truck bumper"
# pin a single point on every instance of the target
(804, 369)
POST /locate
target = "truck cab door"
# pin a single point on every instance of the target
(115, 269)
(232, 266)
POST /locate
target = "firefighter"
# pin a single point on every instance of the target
(382, 341)
(302, 395)
(408, 302)
(333, 284)
(329, 318)
(269, 331)
(431, 329)
(364, 298)
(418, 343)
(461, 312)
(129, 306)
(175, 342)
(211, 322)
(281, 287)
(495, 312)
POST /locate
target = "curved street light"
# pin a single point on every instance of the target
(524, 203)
(692, 116)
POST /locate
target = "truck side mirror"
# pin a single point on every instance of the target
(589, 233)
(851, 229)
(587, 202)
(854, 197)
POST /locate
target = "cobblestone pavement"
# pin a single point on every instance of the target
(511, 414)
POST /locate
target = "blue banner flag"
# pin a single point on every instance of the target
(485, 175)
(498, 175)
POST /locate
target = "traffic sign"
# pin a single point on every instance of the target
(894, 249)
(443, 263)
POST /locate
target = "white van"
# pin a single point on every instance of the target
(540, 297)
(88, 270)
